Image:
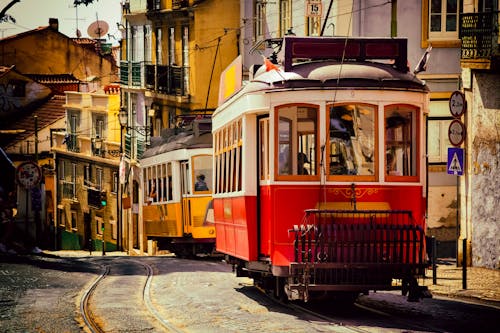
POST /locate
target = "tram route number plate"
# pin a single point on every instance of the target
(313, 8)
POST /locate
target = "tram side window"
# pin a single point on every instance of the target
(228, 158)
(297, 140)
(352, 137)
(166, 182)
(400, 141)
(151, 185)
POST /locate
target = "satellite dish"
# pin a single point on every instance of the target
(98, 29)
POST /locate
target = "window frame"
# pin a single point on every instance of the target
(295, 144)
(195, 172)
(260, 17)
(285, 16)
(446, 41)
(358, 178)
(414, 139)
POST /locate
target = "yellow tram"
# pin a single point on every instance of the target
(177, 182)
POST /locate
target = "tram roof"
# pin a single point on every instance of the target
(322, 63)
(175, 141)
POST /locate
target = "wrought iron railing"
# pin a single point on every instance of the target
(167, 79)
(479, 35)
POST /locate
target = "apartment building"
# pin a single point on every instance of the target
(172, 54)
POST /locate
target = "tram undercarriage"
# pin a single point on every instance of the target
(346, 253)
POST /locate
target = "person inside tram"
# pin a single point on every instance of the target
(301, 160)
(200, 184)
(152, 194)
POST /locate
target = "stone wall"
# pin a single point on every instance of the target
(485, 169)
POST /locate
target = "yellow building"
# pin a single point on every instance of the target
(172, 55)
(87, 157)
(47, 51)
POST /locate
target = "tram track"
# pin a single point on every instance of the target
(356, 323)
(91, 319)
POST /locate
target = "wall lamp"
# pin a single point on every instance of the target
(123, 118)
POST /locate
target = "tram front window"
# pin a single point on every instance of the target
(202, 170)
(400, 129)
(296, 141)
(352, 137)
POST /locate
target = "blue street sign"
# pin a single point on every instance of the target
(455, 164)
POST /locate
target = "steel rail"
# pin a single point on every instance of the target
(84, 304)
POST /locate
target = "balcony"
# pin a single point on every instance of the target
(86, 146)
(166, 79)
(479, 35)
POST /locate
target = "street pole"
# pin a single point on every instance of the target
(36, 208)
(464, 263)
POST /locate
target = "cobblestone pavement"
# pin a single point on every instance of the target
(482, 285)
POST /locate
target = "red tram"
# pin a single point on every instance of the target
(319, 169)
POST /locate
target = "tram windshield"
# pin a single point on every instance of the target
(202, 169)
(351, 140)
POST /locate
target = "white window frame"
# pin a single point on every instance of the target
(442, 33)
(260, 17)
(285, 16)
(443, 141)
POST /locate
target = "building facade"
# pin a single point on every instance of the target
(479, 195)
(87, 158)
(171, 58)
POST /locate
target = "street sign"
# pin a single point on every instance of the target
(455, 165)
(28, 174)
(313, 8)
(456, 132)
(457, 104)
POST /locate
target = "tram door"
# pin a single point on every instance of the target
(264, 174)
(185, 196)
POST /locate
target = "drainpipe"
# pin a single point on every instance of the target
(394, 18)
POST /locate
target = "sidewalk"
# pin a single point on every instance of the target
(483, 284)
